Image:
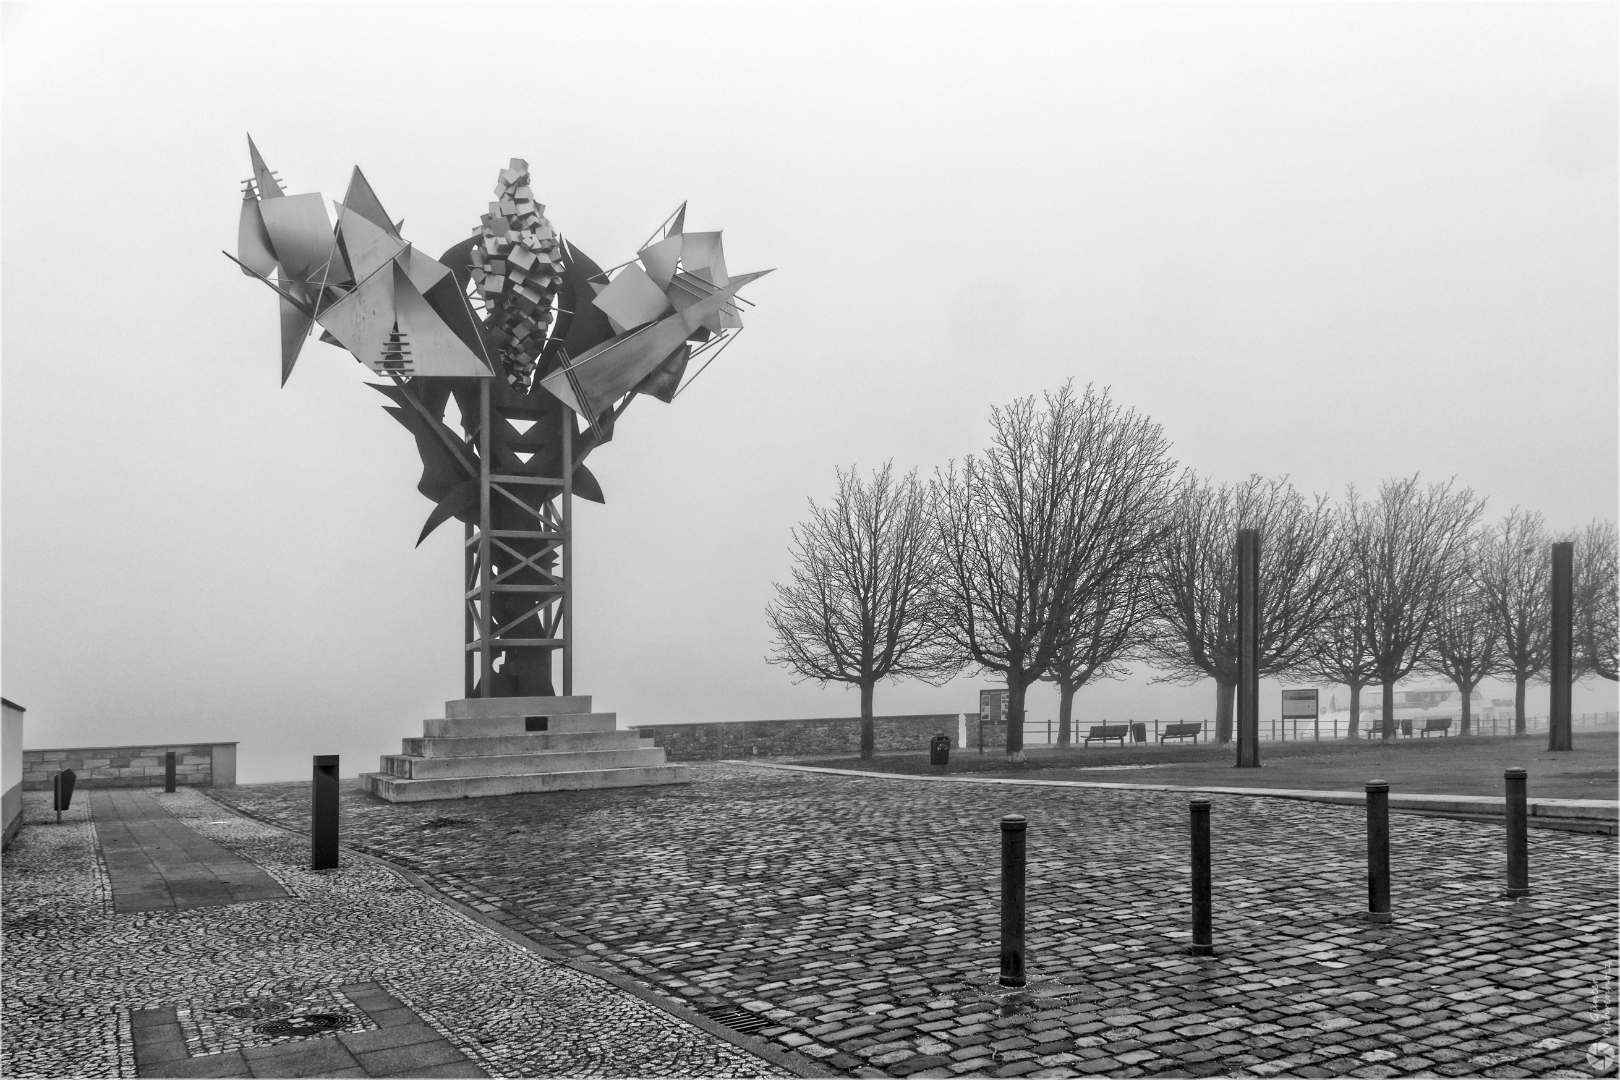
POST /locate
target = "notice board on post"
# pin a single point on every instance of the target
(993, 706)
(1299, 705)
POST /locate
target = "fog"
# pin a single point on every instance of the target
(1340, 242)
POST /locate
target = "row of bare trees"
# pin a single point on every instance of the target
(1071, 549)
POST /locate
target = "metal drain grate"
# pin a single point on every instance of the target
(737, 1019)
(308, 1024)
(257, 1010)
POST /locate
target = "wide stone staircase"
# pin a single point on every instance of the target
(505, 746)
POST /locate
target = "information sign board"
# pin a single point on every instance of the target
(993, 705)
(1299, 705)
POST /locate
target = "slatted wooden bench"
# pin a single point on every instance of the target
(1442, 724)
(1103, 732)
(1180, 731)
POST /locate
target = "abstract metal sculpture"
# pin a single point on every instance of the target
(525, 331)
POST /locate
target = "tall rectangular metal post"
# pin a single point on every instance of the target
(469, 565)
(323, 833)
(568, 551)
(1559, 733)
(168, 772)
(1248, 687)
(486, 569)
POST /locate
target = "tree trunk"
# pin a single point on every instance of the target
(1389, 712)
(1065, 713)
(868, 739)
(1518, 703)
(1467, 708)
(1354, 730)
(1015, 718)
(1224, 695)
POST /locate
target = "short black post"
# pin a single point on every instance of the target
(1203, 939)
(1013, 828)
(168, 773)
(1378, 852)
(324, 814)
(1518, 845)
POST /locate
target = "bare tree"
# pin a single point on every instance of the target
(1515, 569)
(1463, 647)
(1195, 593)
(1062, 503)
(1341, 647)
(1105, 631)
(1407, 549)
(1597, 601)
(859, 607)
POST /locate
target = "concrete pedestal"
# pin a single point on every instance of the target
(506, 746)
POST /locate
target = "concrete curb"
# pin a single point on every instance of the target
(1484, 805)
(797, 1064)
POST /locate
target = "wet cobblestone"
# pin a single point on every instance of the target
(861, 917)
(75, 971)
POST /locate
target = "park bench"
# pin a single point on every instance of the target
(1442, 724)
(1104, 732)
(1181, 731)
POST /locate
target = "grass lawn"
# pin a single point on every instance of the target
(1438, 766)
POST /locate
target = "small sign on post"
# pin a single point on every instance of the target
(1303, 705)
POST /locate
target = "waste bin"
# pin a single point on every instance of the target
(1138, 732)
(62, 791)
(939, 751)
(1406, 728)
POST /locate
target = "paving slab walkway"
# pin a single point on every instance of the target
(854, 919)
(347, 972)
(157, 861)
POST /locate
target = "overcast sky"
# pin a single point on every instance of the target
(1338, 242)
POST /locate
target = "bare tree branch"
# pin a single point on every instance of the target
(860, 606)
(1408, 548)
(1463, 647)
(1597, 601)
(1045, 524)
(1195, 595)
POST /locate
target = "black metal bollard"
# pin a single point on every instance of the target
(1013, 828)
(168, 773)
(324, 814)
(1378, 852)
(1518, 843)
(1203, 938)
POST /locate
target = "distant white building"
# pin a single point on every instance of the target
(1425, 702)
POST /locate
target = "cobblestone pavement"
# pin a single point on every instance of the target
(860, 918)
(75, 972)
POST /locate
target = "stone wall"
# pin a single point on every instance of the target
(788, 738)
(196, 765)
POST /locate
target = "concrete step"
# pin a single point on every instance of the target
(488, 727)
(398, 789)
(524, 744)
(470, 708)
(419, 768)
